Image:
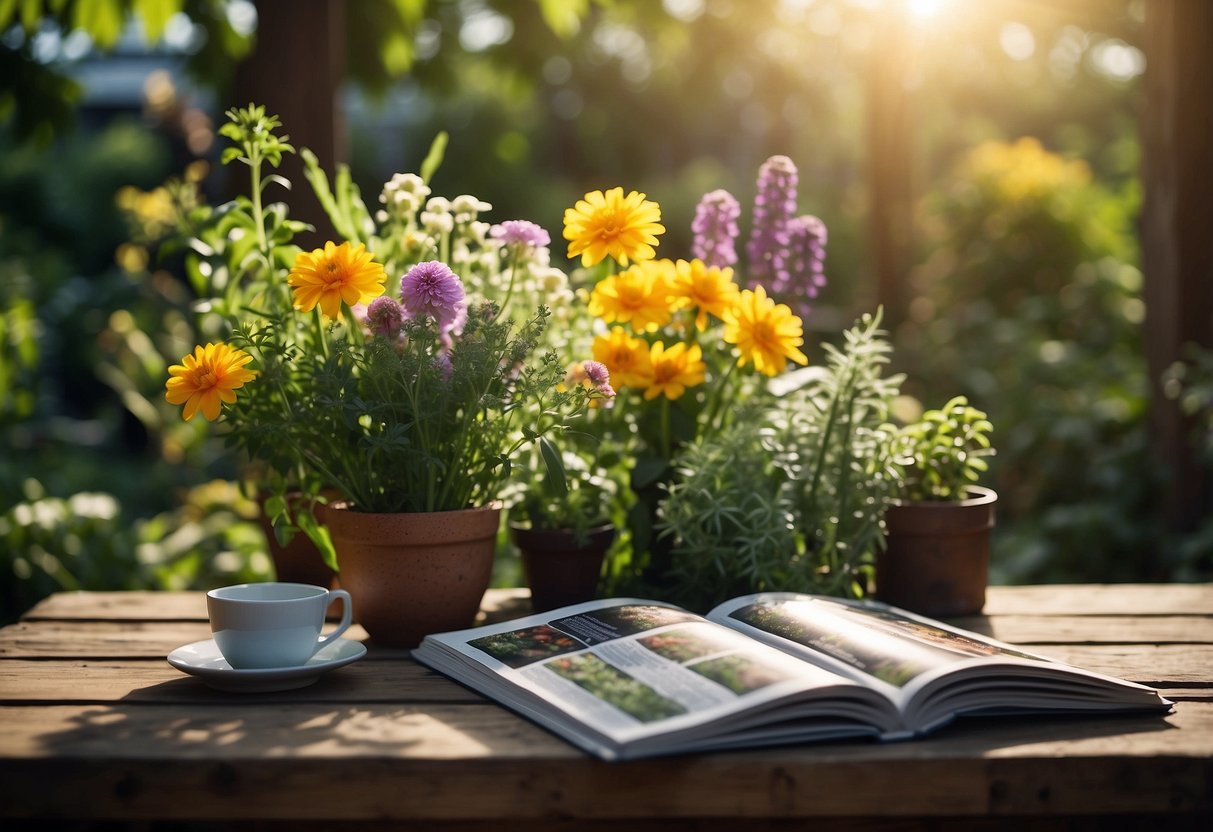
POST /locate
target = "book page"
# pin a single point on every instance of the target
(867, 641)
(628, 668)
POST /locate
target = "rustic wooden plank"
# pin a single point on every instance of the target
(1100, 599)
(140, 639)
(1061, 599)
(124, 639)
(466, 762)
(157, 682)
(1093, 629)
(1180, 670)
(1174, 664)
(191, 606)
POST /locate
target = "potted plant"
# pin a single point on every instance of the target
(561, 524)
(790, 496)
(937, 552)
(410, 402)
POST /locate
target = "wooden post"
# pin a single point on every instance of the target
(295, 70)
(890, 163)
(1177, 229)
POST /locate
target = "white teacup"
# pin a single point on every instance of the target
(273, 624)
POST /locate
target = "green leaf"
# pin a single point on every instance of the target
(434, 158)
(155, 15)
(563, 17)
(102, 19)
(648, 470)
(557, 481)
(319, 535)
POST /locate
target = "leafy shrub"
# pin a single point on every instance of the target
(791, 497)
(1030, 305)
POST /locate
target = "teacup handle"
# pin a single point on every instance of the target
(347, 612)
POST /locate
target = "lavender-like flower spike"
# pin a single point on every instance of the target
(715, 229)
(804, 263)
(774, 206)
(431, 288)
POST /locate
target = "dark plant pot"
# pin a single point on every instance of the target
(937, 556)
(298, 562)
(559, 570)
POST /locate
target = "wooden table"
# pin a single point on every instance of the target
(94, 724)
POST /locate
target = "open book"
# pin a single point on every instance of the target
(626, 678)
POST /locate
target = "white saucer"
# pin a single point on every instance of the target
(203, 659)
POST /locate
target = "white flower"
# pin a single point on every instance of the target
(437, 222)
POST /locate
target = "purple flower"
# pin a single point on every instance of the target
(431, 288)
(596, 372)
(384, 317)
(805, 261)
(715, 229)
(774, 206)
(520, 232)
(442, 363)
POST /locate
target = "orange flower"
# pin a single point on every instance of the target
(766, 333)
(709, 289)
(674, 370)
(625, 356)
(610, 224)
(335, 274)
(210, 376)
(639, 295)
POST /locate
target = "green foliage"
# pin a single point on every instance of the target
(565, 483)
(1032, 262)
(944, 452)
(50, 544)
(427, 419)
(792, 495)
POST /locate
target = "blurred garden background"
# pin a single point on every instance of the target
(978, 163)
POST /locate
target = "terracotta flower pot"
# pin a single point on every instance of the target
(410, 575)
(937, 555)
(560, 571)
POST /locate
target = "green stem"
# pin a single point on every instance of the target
(665, 428)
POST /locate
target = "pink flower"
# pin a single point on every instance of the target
(432, 289)
(596, 372)
(520, 232)
(384, 317)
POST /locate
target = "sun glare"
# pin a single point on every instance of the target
(926, 9)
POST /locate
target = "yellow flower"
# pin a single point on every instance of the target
(611, 224)
(626, 357)
(639, 295)
(207, 377)
(674, 370)
(709, 289)
(334, 274)
(767, 333)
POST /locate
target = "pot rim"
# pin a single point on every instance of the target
(981, 496)
(348, 507)
(517, 525)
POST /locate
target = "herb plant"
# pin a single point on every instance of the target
(944, 452)
(792, 495)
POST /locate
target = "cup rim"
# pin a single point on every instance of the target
(218, 592)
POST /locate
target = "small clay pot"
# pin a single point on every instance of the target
(561, 571)
(412, 574)
(936, 559)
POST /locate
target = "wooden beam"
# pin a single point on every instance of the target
(296, 69)
(1176, 230)
(890, 163)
